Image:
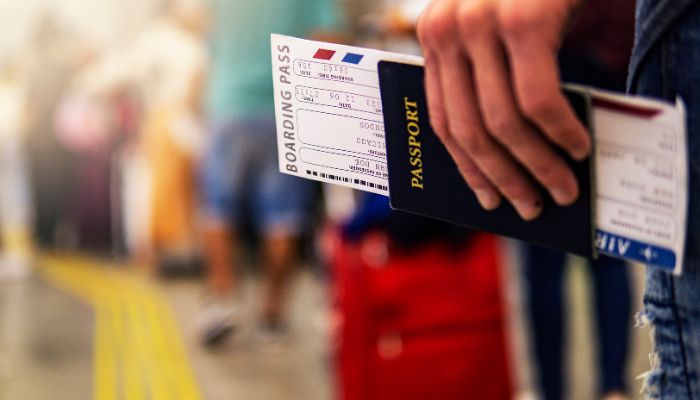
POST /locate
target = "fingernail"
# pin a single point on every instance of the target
(564, 197)
(582, 151)
(488, 199)
(528, 210)
(580, 155)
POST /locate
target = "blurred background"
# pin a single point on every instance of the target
(150, 250)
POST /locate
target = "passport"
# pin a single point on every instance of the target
(437, 189)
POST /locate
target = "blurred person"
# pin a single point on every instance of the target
(15, 195)
(544, 271)
(503, 105)
(240, 171)
(596, 53)
(166, 63)
(49, 59)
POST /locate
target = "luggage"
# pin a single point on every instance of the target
(420, 323)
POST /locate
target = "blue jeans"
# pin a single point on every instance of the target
(666, 64)
(240, 178)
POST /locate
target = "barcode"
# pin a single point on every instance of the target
(347, 180)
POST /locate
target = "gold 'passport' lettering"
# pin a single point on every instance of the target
(415, 152)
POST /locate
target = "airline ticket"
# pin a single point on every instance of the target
(641, 179)
(330, 128)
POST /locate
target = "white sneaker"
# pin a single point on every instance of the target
(217, 320)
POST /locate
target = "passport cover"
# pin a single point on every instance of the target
(443, 194)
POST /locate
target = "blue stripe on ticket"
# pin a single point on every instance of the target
(353, 58)
(618, 246)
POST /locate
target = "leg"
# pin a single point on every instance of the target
(672, 307)
(220, 248)
(279, 258)
(281, 210)
(613, 313)
(223, 174)
(672, 303)
(544, 270)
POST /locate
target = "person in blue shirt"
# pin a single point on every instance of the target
(494, 96)
(240, 175)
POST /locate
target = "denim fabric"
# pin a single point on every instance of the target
(672, 306)
(666, 64)
(240, 174)
(670, 69)
(654, 18)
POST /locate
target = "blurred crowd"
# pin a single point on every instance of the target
(150, 137)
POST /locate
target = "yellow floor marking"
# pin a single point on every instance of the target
(139, 353)
(135, 387)
(161, 352)
(105, 365)
(116, 343)
(150, 366)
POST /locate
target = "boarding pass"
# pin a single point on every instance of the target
(330, 128)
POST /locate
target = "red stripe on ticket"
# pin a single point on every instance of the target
(324, 54)
(642, 112)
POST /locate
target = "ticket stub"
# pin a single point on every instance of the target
(330, 126)
(641, 179)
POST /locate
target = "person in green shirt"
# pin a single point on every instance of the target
(240, 168)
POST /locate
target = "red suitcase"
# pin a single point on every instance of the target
(421, 324)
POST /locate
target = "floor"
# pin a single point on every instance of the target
(81, 328)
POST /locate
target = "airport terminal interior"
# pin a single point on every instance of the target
(117, 276)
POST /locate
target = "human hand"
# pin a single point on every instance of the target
(495, 100)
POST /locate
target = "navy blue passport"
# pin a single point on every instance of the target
(433, 187)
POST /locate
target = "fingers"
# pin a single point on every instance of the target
(485, 192)
(499, 111)
(537, 84)
(495, 99)
(487, 195)
(469, 132)
(457, 121)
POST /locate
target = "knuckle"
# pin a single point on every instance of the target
(440, 128)
(436, 25)
(515, 22)
(472, 17)
(538, 107)
(502, 126)
(470, 174)
(438, 121)
(476, 181)
(422, 29)
(474, 142)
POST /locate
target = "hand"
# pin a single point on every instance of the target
(495, 100)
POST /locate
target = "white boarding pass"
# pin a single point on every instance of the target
(330, 126)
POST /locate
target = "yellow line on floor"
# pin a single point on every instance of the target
(139, 352)
(105, 366)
